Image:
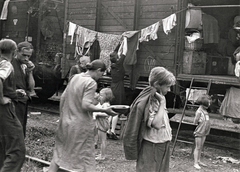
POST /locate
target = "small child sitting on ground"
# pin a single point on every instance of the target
(102, 123)
(202, 129)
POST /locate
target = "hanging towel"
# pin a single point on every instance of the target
(71, 31)
(84, 39)
(169, 23)
(107, 43)
(4, 10)
(210, 29)
(237, 69)
(150, 32)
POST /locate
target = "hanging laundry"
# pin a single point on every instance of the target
(131, 56)
(5, 10)
(210, 29)
(107, 43)
(169, 23)
(132, 46)
(71, 30)
(150, 32)
(84, 39)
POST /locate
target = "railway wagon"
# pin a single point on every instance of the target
(193, 43)
(205, 63)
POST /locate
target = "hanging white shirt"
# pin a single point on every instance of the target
(169, 23)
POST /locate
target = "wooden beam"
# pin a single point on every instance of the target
(215, 6)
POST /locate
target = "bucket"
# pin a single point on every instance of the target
(193, 18)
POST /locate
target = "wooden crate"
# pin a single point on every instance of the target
(120, 126)
(194, 62)
(217, 65)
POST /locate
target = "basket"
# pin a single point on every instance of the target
(196, 45)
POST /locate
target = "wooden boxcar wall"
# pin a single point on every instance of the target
(17, 12)
(50, 30)
(33, 19)
(118, 16)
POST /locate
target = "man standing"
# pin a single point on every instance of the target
(12, 146)
(25, 83)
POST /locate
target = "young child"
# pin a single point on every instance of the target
(102, 123)
(202, 129)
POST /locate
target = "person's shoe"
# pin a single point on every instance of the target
(197, 166)
(109, 135)
(114, 136)
(202, 164)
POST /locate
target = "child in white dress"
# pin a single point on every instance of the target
(102, 123)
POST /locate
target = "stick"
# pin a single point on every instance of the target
(45, 162)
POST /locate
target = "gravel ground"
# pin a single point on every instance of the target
(40, 142)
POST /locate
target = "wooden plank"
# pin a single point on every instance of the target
(158, 8)
(158, 15)
(216, 79)
(129, 15)
(83, 10)
(83, 23)
(91, 16)
(114, 3)
(108, 29)
(162, 2)
(113, 22)
(82, 1)
(129, 8)
(80, 4)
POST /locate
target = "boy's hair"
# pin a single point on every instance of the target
(204, 100)
(162, 76)
(109, 94)
(7, 46)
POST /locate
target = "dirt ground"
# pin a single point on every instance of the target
(40, 142)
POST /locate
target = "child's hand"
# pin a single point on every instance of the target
(160, 97)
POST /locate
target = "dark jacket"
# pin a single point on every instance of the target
(136, 123)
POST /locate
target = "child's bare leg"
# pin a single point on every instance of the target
(197, 151)
(103, 144)
(114, 123)
(110, 122)
(102, 139)
(200, 152)
(53, 167)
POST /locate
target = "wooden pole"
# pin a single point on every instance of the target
(63, 59)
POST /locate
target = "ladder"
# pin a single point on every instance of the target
(186, 104)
